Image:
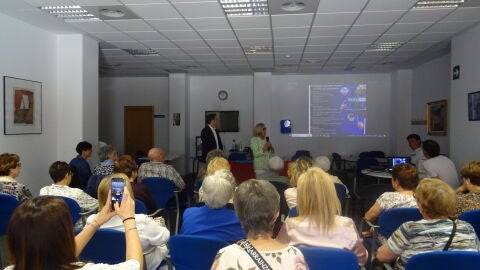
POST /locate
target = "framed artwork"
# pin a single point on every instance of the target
(22, 106)
(474, 106)
(437, 117)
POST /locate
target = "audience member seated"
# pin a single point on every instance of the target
(156, 167)
(81, 168)
(126, 165)
(404, 181)
(61, 174)
(275, 165)
(438, 166)
(468, 195)
(40, 236)
(436, 202)
(107, 156)
(216, 218)
(323, 162)
(9, 169)
(319, 222)
(295, 169)
(202, 172)
(257, 206)
(218, 163)
(152, 232)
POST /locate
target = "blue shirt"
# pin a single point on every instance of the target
(219, 223)
(81, 172)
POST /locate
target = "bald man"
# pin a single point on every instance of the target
(157, 168)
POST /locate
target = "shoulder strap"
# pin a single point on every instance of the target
(451, 236)
(253, 253)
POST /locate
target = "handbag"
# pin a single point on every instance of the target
(253, 253)
(449, 242)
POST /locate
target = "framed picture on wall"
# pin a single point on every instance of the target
(22, 106)
(474, 106)
(437, 117)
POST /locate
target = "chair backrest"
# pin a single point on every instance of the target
(329, 258)
(8, 203)
(162, 189)
(140, 207)
(193, 252)
(73, 208)
(106, 246)
(472, 217)
(293, 212)
(341, 193)
(301, 153)
(365, 163)
(391, 219)
(337, 160)
(444, 260)
(237, 156)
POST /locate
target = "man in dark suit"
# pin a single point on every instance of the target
(210, 136)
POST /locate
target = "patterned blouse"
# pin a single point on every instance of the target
(159, 169)
(9, 186)
(234, 257)
(422, 236)
(467, 202)
(104, 168)
(390, 200)
(84, 200)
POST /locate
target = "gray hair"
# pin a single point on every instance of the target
(216, 191)
(322, 162)
(104, 151)
(276, 163)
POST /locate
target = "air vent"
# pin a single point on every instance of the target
(434, 4)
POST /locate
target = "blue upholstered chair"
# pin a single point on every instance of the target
(472, 217)
(445, 260)
(8, 204)
(106, 246)
(193, 252)
(329, 258)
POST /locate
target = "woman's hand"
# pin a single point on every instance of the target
(127, 207)
(267, 146)
(106, 213)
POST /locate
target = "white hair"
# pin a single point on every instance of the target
(216, 190)
(276, 163)
(322, 162)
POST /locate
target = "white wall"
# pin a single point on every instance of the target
(464, 134)
(431, 82)
(401, 111)
(30, 53)
(115, 93)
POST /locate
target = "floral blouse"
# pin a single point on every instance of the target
(467, 202)
(234, 257)
(17, 190)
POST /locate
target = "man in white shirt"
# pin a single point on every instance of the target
(438, 166)
(210, 136)
(416, 157)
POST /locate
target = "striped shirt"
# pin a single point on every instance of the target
(415, 237)
(159, 169)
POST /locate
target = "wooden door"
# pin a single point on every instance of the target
(138, 129)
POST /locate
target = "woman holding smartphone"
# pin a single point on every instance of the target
(152, 232)
(40, 235)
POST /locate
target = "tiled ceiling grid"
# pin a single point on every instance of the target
(196, 36)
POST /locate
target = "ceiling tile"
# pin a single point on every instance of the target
(196, 50)
(327, 6)
(222, 42)
(92, 26)
(424, 15)
(256, 42)
(334, 19)
(109, 37)
(144, 1)
(217, 34)
(320, 48)
(395, 38)
(159, 44)
(294, 20)
(323, 40)
(339, 54)
(253, 33)
(368, 29)
(464, 14)
(233, 57)
(113, 52)
(316, 55)
(181, 35)
(155, 11)
(168, 52)
(96, 2)
(408, 28)
(131, 25)
(450, 26)
(191, 43)
(228, 50)
(379, 5)
(379, 17)
(200, 9)
(352, 39)
(209, 23)
(146, 35)
(129, 45)
(170, 24)
(427, 37)
(289, 49)
(290, 41)
(246, 22)
(352, 47)
(290, 32)
(329, 31)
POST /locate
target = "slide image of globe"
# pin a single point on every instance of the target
(351, 117)
(344, 91)
(360, 125)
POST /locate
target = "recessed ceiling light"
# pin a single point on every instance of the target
(384, 46)
(112, 13)
(287, 56)
(245, 7)
(257, 50)
(313, 61)
(432, 4)
(293, 6)
(147, 52)
(73, 12)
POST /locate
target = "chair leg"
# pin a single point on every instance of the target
(178, 214)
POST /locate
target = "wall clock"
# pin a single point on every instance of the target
(222, 95)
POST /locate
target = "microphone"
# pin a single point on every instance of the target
(267, 139)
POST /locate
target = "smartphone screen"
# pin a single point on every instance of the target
(117, 190)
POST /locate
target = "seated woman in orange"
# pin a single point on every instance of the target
(319, 222)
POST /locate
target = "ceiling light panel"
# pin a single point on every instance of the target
(71, 12)
(384, 46)
(245, 7)
(432, 4)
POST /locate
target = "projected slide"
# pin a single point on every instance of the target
(338, 109)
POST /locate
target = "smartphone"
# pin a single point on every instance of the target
(117, 190)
